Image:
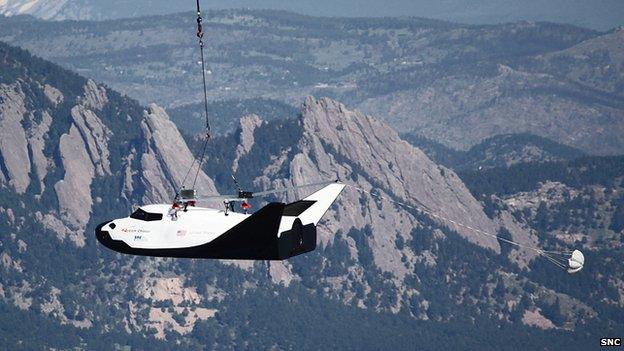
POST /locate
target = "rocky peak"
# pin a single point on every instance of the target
(85, 154)
(94, 96)
(15, 166)
(390, 163)
(247, 127)
(53, 94)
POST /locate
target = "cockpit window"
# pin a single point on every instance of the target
(146, 216)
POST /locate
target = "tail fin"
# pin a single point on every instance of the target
(297, 233)
(311, 209)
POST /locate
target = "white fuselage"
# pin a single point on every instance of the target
(275, 231)
(176, 229)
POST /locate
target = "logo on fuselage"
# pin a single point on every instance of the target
(199, 232)
(133, 230)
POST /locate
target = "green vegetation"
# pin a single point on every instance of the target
(583, 171)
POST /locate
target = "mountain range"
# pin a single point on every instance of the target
(74, 153)
(451, 83)
(500, 151)
(602, 14)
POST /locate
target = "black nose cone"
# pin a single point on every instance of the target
(102, 235)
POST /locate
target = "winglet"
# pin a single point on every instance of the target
(323, 199)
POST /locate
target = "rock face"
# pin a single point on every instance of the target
(167, 159)
(536, 319)
(84, 154)
(16, 142)
(248, 125)
(94, 96)
(53, 94)
(83, 149)
(74, 190)
(13, 144)
(36, 140)
(387, 162)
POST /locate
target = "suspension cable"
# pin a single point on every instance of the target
(201, 160)
(200, 37)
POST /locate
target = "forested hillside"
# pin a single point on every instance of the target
(498, 151)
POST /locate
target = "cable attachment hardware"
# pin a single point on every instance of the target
(200, 27)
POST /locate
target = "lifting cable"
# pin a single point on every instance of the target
(558, 261)
(200, 37)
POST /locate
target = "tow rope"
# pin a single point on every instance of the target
(549, 255)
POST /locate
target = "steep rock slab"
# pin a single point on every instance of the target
(36, 140)
(248, 125)
(85, 155)
(54, 95)
(340, 144)
(74, 190)
(94, 96)
(95, 135)
(13, 143)
(167, 160)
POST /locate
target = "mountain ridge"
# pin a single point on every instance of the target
(581, 13)
(502, 150)
(455, 84)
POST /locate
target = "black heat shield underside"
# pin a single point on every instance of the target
(252, 239)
